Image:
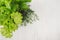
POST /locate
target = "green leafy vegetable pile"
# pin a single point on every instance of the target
(14, 12)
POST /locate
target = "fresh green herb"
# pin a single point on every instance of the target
(12, 13)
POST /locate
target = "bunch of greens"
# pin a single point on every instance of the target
(12, 13)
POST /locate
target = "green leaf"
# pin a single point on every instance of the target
(13, 13)
(17, 17)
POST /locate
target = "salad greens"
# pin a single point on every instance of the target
(12, 13)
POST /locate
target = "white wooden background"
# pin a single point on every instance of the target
(47, 28)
